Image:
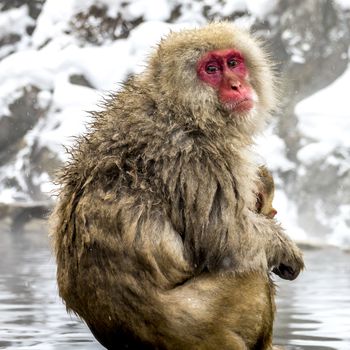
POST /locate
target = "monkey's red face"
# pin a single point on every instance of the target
(226, 72)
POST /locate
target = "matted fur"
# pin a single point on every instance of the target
(155, 241)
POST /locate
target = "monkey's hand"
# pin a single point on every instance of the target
(283, 256)
(288, 260)
(291, 266)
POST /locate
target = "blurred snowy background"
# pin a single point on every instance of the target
(59, 58)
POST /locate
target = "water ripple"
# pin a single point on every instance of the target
(313, 311)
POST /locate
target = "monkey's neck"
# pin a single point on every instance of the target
(215, 127)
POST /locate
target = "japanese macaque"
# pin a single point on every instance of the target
(156, 243)
(265, 193)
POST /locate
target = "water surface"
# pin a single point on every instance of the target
(313, 311)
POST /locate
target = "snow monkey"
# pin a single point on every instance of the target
(265, 193)
(156, 243)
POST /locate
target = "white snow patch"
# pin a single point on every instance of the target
(261, 8)
(272, 148)
(44, 99)
(345, 4)
(9, 92)
(233, 6)
(11, 195)
(314, 151)
(69, 116)
(45, 183)
(143, 40)
(25, 67)
(324, 120)
(287, 215)
(15, 21)
(341, 227)
(297, 57)
(159, 10)
(325, 116)
(52, 21)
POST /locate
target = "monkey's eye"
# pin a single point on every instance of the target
(232, 63)
(211, 68)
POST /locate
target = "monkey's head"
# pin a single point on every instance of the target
(217, 75)
(265, 193)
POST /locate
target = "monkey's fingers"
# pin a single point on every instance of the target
(286, 272)
(289, 264)
(290, 269)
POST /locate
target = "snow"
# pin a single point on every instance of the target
(23, 68)
(324, 120)
(272, 149)
(8, 94)
(340, 223)
(52, 55)
(141, 8)
(53, 20)
(288, 216)
(314, 151)
(69, 105)
(261, 8)
(13, 24)
(345, 4)
(326, 115)
(15, 21)
(50, 67)
(232, 6)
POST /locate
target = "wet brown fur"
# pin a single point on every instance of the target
(155, 243)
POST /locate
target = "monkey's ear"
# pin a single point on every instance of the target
(259, 202)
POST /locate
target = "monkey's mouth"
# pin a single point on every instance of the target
(241, 106)
(244, 105)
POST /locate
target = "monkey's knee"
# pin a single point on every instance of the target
(234, 342)
(226, 340)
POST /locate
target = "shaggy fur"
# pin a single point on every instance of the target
(155, 243)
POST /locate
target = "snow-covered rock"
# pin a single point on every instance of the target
(58, 59)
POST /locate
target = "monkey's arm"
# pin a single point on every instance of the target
(282, 254)
(218, 231)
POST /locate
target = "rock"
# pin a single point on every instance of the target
(34, 7)
(310, 40)
(96, 25)
(10, 38)
(79, 79)
(17, 215)
(24, 114)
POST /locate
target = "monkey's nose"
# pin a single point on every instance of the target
(236, 85)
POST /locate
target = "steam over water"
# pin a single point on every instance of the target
(313, 311)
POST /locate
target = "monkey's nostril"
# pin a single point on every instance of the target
(234, 87)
